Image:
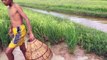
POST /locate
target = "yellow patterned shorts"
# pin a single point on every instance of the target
(19, 35)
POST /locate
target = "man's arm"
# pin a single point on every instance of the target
(10, 30)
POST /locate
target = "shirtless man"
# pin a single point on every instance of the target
(17, 28)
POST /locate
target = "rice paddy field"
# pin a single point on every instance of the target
(55, 30)
(95, 8)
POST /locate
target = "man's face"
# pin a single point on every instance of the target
(6, 2)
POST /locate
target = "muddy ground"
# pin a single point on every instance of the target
(60, 52)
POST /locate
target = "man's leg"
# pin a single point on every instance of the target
(23, 49)
(9, 53)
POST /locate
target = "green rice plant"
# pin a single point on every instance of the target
(4, 33)
(96, 8)
(52, 28)
(4, 24)
(92, 40)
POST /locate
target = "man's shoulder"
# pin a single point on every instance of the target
(17, 6)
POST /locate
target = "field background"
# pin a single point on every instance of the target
(95, 8)
(55, 30)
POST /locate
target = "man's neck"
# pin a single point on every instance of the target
(11, 4)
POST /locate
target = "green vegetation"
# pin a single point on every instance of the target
(55, 30)
(96, 8)
(4, 24)
(92, 40)
(52, 28)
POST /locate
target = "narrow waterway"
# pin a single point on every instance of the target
(97, 23)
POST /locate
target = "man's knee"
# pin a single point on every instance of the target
(23, 49)
(8, 51)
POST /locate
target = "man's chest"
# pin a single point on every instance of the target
(12, 11)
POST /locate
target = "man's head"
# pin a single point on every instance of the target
(7, 2)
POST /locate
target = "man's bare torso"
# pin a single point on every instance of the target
(15, 17)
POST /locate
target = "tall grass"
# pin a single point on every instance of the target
(96, 8)
(73, 34)
(4, 24)
(52, 28)
(92, 40)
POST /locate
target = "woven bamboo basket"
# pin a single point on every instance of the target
(36, 50)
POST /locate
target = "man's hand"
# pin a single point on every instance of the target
(10, 33)
(31, 36)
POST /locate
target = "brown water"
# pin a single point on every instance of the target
(97, 23)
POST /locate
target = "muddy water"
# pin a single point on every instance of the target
(97, 23)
